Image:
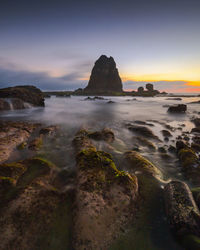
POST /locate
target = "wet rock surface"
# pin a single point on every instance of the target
(189, 161)
(20, 94)
(180, 108)
(142, 130)
(12, 134)
(105, 198)
(32, 209)
(99, 188)
(138, 163)
(182, 211)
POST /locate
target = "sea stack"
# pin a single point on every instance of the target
(104, 77)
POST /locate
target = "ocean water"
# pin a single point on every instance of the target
(150, 230)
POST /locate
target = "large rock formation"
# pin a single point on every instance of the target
(18, 97)
(104, 77)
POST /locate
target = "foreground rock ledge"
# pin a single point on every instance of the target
(34, 214)
(12, 134)
(105, 199)
(182, 213)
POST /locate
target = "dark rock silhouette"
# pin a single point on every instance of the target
(104, 77)
(140, 90)
(150, 91)
(180, 108)
(149, 87)
(19, 94)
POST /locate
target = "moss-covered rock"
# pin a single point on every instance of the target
(35, 167)
(105, 198)
(104, 169)
(137, 162)
(36, 143)
(22, 146)
(32, 208)
(82, 141)
(182, 211)
(6, 182)
(190, 164)
(142, 130)
(106, 135)
(13, 170)
(196, 194)
(145, 142)
(14, 135)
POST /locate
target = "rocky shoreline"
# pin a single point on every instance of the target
(91, 208)
(104, 189)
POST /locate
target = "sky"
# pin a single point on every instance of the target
(54, 44)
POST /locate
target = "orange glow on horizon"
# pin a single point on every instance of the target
(193, 83)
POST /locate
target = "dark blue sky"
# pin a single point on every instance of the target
(53, 44)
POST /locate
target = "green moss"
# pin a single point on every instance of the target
(102, 168)
(7, 180)
(187, 157)
(36, 167)
(13, 169)
(195, 191)
(21, 146)
(138, 162)
(191, 242)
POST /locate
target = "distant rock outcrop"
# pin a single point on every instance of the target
(150, 91)
(104, 77)
(20, 97)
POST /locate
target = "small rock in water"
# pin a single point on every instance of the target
(162, 150)
(110, 102)
(172, 149)
(166, 133)
(174, 98)
(141, 130)
(196, 130)
(180, 108)
(196, 121)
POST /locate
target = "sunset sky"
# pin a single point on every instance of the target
(54, 44)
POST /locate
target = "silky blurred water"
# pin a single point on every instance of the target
(75, 113)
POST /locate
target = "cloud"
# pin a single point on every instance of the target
(12, 74)
(42, 80)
